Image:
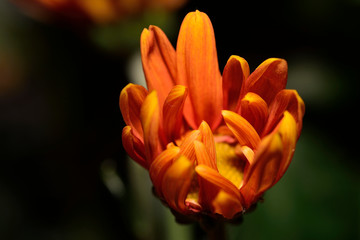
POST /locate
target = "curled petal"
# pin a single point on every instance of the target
(207, 138)
(202, 155)
(268, 79)
(150, 121)
(173, 112)
(261, 174)
(134, 146)
(235, 73)
(176, 183)
(287, 131)
(159, 61)
(160, 166)
(290, 101)
(198, 69)
(216, 179)
(187, 146)
(255, 110)
(226, 205)
(242, 129)
(131, 99)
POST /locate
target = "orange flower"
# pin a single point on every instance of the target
(212, 144)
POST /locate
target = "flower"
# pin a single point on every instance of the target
(212, 144)
(94, 11)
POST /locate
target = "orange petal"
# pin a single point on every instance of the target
(131, 99)
(261, 174)
(288, 100)
(242, 129)
(268, 79)
(173, 112)
(176, 183)
(159, 61)
(160, 165)
(207, 138)
(134, 146)
(288, 133)
(254, 109)
(198, 69)
(150, 120)
(235, 73)
(202, 155)
(214, 177)
(226, 204)
(187, 146)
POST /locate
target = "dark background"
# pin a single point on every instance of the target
(64, 174)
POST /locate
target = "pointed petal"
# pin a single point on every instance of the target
(261, 174)
(202, 155)
(216, 179)
(235, 73)
(207, 138)
(134, 146)
(268, 79)
(247, 152)
(150, 121)
(187, 146)
(285, 100)
(160, 166)
(288, 133)
(159, 61)
(242, 129)
(130, 101)
(176, 183)
(255, 110)
(198, 69)
(173, 112)
(226, 204)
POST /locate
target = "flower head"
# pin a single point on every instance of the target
(213, 144)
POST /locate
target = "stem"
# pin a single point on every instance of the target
(218, 232)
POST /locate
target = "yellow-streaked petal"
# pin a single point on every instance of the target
(150, 121)
(288, 133)
(261, 174)
(173, 112)
(235, 73)
(202, 155)
(226, 204)
(176, 183)
(214, 177)
(130, 101)
(268, 79)
(286, 100)
(242, 129)
(198, 69)
(255, 110)
(160, 166)
(207, 138)
(187, 146)
(159, 61)
(134, 146)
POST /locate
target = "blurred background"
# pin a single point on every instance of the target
(64, 173)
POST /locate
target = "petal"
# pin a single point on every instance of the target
(242, 129)
(261, 174)
(150, 121)
(176, 183)
(173, 112)
(202, 155)
(268, 79)
(198, 69)
(216, 179)
(235, 73)
(226, 204)
(285, 100)
(159, 61)
(187, 146)
(288, 133)
(207, 138)
(160, 166)
(255, 110)
(131, 99)
(134, 146)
